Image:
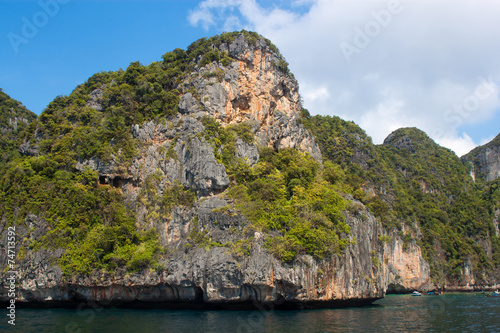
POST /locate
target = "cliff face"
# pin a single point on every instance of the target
(424, 191)
(215, 277)
(432, 176)
(408, 269)
(14, 122)
(484, 161)
(256, 89)
(251, 89)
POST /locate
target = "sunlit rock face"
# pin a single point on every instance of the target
(255, 88)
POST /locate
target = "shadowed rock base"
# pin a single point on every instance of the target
(195, 305)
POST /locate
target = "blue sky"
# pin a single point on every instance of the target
(383, 64)
(83, 38)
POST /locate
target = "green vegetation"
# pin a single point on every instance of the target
(286, 197)
(432, 187)
(409, 183)
(474, 157)
(347, 146)
(223, 141)
(132, 96)
(90, 221)
(241, 247)
(12, 131)
(419, 184)
(158, 203)
(87, 219)
(207, 49)
(384, 239)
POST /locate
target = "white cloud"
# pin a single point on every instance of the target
(420, 64)
(315, 93)
(383, 119)
(460, 144)
(210, 12)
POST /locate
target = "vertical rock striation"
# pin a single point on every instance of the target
(255, 88)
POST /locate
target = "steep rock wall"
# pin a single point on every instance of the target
(216, 277)
(252, 89)
(484, 161)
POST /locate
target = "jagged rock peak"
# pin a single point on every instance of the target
(234, 78)
(242, 77)
(236, 44)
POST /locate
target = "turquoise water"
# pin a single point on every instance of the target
(395, 313)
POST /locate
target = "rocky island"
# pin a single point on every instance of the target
(200, 181)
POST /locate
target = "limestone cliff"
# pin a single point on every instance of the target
(253, 88)
(484, 161)
(425, 192)
(215, 277)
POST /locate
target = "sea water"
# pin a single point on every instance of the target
(395, 313)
